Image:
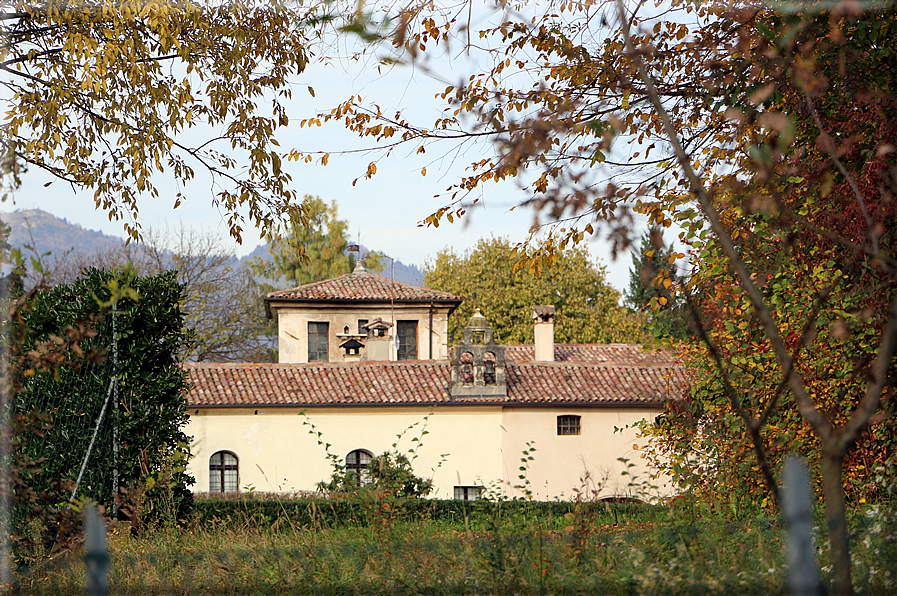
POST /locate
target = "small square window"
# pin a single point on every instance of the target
(468, 493)
(569, 425)
(361, 324)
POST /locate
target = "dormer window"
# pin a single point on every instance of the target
(377, 328)
(352, 347)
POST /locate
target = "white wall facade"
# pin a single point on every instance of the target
(277, 451)
(465, 445)
(293, 328)
(588, 462)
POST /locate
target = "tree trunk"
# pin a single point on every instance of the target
(836, 520)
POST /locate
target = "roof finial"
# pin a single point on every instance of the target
(359, 268)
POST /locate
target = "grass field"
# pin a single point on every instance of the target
(650, 551)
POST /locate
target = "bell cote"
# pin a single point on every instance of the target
(478, 363)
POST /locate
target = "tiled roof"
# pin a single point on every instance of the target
(541, 310)
(360, 286)
(617, 354)
(424, 382)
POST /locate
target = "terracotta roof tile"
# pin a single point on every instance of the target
(618, 354)
(360, 286)
(424, 382)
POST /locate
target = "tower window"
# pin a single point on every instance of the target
(407, 331)
(317, 342)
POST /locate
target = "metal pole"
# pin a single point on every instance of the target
(96, 555)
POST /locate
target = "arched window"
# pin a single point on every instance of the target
(467, 368)
(358, 466)
(224, 472)
(489, 368)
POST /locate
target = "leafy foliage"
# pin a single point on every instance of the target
(389, 472)
(772, 132)
(587, 306)
(100, 94)
(152, 384)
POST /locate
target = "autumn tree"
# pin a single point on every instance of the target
(729, 119)
(106, 96)
(588, 308)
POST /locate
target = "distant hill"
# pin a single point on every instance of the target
(47, 233)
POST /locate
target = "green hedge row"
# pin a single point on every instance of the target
(363, 512)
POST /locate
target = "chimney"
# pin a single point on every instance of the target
(543, 321)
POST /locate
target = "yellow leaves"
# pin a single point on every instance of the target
(423, 171)
(372, 170)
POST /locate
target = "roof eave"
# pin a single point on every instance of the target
(450, 302)
(653, 405)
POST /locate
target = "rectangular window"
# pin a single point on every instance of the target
(568, 425)
(317, 342)
(407, 331)
(468, 493)
(361, 324)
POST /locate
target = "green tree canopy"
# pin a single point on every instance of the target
(314, 248)
(652, 281)
(588, 308)
(151, 387)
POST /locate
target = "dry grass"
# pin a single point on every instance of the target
(662, 553)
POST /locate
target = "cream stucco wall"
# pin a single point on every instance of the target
(293, 328)
(278, 453)
(464, 446)
(588, 461)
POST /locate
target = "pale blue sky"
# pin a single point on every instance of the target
(385, 210)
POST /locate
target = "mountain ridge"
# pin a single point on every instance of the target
(44, 232)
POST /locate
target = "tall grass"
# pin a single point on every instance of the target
(648, 551)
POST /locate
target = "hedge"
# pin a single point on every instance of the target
(362, 512)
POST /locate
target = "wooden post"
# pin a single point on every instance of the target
(96, 555)
(803, 577)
